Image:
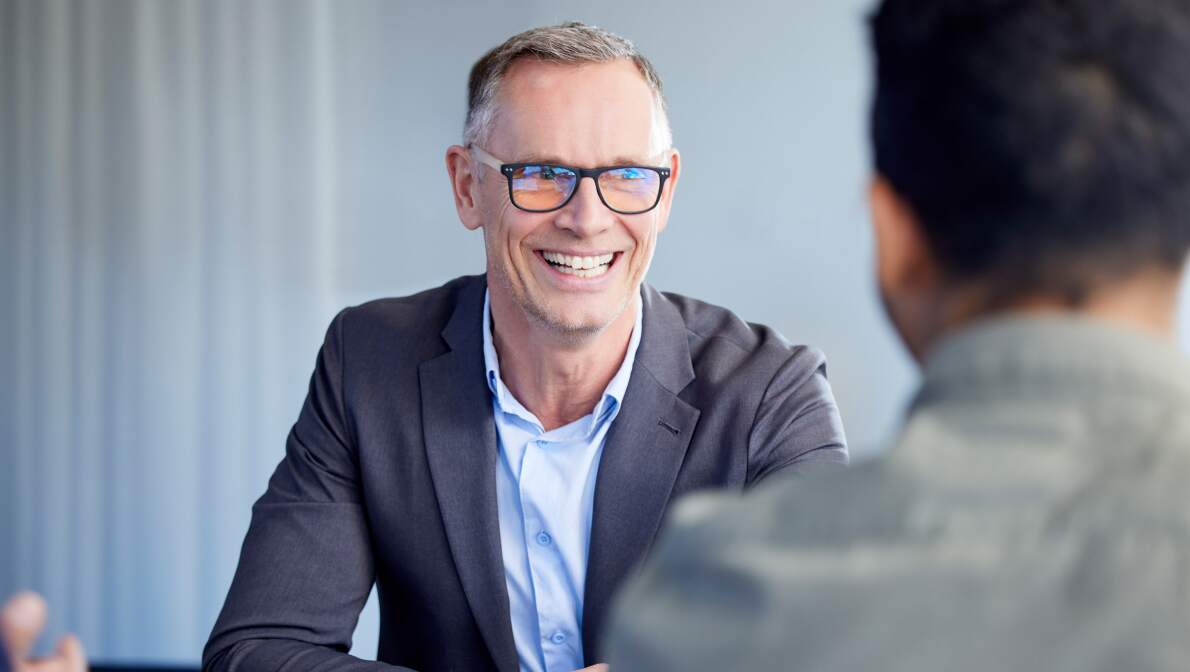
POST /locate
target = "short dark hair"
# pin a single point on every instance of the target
(1043, 144)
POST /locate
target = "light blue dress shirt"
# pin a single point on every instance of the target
(545, 488)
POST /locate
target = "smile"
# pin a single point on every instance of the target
(579, 266)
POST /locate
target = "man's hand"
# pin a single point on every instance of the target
(601, 667)
(21, 621)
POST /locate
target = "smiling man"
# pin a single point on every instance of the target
(497, 454)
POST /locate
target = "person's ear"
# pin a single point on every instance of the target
(904, 259)
(671, 186)
(464, 183)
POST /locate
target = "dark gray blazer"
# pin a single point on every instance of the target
(389, 477)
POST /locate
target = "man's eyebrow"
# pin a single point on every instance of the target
(629, 161)
(555, 161)
(542, 158)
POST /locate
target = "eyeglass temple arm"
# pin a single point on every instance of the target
(484, 157)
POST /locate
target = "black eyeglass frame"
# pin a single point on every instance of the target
(507, 169)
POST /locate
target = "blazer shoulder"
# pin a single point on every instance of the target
(718, 333)
(415, 320)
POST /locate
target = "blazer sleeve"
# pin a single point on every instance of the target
(306, 567)
(797, 426)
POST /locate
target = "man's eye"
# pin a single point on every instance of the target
(547, 173)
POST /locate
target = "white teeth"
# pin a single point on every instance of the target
(565, 262)
(584, 272)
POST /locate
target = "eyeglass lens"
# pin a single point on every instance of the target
(625, 190)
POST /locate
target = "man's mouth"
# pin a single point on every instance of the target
(581, 267)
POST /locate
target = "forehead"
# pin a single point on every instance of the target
(586, 114)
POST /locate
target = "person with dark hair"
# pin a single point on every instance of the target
(1031, 209)
(496, 454)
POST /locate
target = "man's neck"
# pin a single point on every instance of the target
(1147, 301)
(558, 377)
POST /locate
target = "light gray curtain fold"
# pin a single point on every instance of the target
(169, 261)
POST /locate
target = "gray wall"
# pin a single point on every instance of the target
(190, 190)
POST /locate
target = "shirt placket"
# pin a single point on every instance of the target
(556, 626)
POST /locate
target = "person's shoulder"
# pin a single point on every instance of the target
(708, 322)
(736, 568)
(415, 322)
(836, 508)
(722, 341)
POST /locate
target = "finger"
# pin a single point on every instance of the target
(68, 657)
(21, 622)
(54, 663)
(70, 649)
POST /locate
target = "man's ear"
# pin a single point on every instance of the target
(671, 186)
(904, 260)
(464, 183)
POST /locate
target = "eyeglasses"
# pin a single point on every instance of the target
(544, 187)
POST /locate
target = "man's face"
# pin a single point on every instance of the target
(586, 116)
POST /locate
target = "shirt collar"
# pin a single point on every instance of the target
(613, 394)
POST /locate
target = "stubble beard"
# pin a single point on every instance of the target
(540, 315)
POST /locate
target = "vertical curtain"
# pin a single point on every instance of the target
(168, 201)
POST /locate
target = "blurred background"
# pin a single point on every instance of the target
(190, 190)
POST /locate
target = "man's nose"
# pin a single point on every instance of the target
(585, 215)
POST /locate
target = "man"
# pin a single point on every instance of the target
(1031, 219)
(497, 454)
(21, 621)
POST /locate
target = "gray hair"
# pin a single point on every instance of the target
(570, 42)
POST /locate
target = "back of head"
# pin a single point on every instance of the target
(1044, 145)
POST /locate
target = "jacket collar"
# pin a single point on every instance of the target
(1057, 356)
(642, 456)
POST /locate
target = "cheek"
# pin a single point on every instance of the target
(497, 209)
(884, 281)
(503, 228)
(644, 235)
(516, 229)
(642, 229)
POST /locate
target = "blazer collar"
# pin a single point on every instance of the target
(664, 348)
(461, 450)
(643, 453)
(642, 456)
(464, 330)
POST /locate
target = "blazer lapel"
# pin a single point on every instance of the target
(461, 447)
(641, 458)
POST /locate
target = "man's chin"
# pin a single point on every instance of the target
(574, 316)
(572, 323)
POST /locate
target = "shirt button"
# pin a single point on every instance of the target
(558, 637)
(544, 538)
